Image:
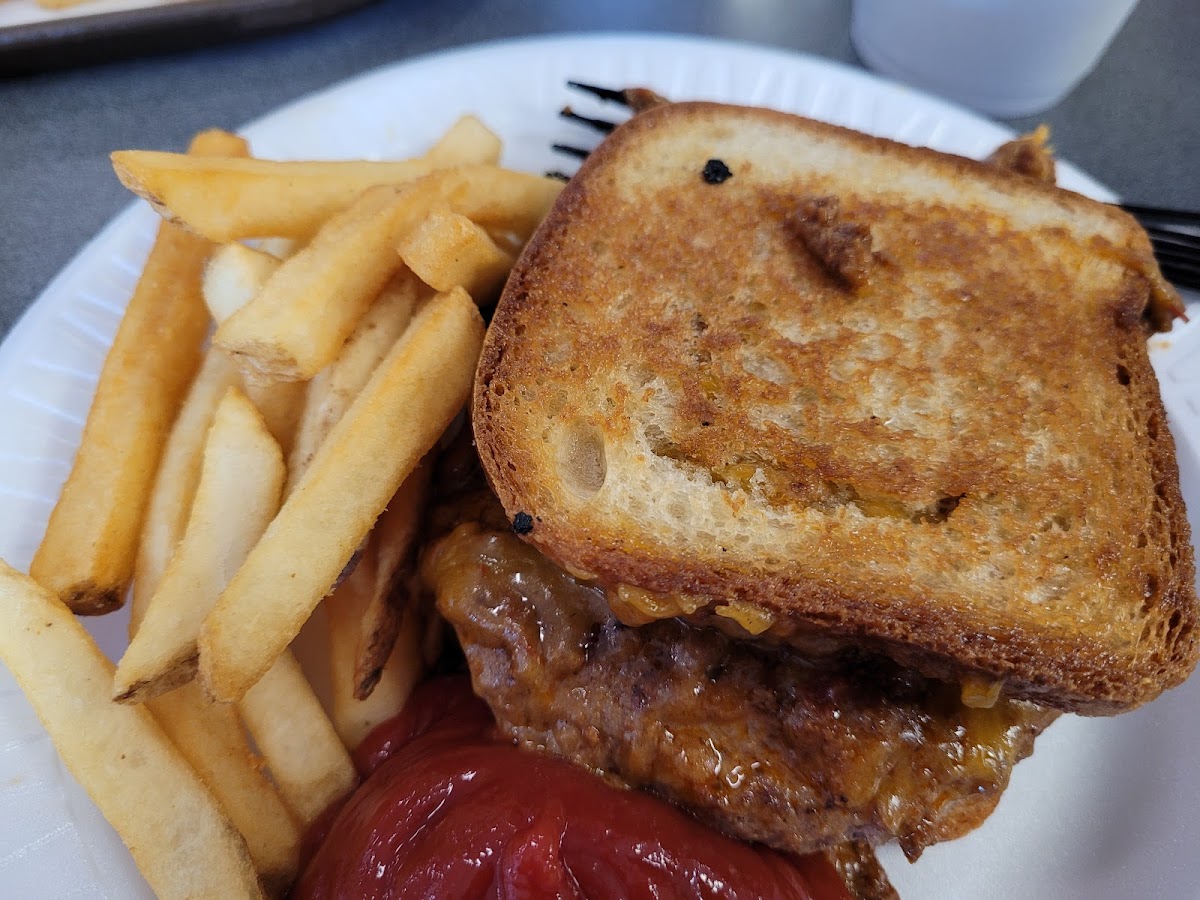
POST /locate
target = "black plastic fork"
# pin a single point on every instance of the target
(1175, 237)
(1174, 234)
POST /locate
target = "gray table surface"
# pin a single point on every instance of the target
(1134, 123)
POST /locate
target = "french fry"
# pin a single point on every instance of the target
(502, 200)
(87, 554)
(234, 275)
(178, 474)
(448, 249)
(238, 494)
(305, 312)
(298, 323)
(216, 142)
(307, 758)
(280, 403)
(384, 567)
(331, 392)
(280, 248)
(466, 141)
(209, 735)
(179, 837)
(211, 738)
(328, 397)
(179, 467)
(354, 718)
(235, 199)
(413, 395)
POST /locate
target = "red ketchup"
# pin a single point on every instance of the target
(448, 811)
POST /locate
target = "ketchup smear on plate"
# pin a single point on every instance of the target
(446, 810)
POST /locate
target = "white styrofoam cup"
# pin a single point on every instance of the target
(1003, 57)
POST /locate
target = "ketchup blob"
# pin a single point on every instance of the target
(446, 810)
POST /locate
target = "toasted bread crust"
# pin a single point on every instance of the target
(945, 442)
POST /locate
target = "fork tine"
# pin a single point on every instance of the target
(1179, 265)
(1161, 214)
(1180, 256)
(616, 96)
(601, 125)
(1180, 277)
(577, 152)
(1181, 240)
(1190, 267)
(1174, 239)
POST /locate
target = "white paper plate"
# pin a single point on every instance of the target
(1104, 809)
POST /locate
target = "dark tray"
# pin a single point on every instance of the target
(72, 40)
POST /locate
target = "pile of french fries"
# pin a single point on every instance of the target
(301, 338)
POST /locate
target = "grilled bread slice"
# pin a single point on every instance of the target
(828, 388)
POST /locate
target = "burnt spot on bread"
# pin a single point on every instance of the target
(844, 248)
(522, 523)
(716, 172)
(1131, 302)
(1030, 155)
(1158, 303)
(941, 509)
(641, 99)
(936, 512)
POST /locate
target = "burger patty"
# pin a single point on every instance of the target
(755, 739)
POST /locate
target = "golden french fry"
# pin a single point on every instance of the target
(377, 631)
(87, 554)
(234, 275)
(398, 417)
(178, 474)
(466, 141)
(353, 718)
(280, 248)
(179, 837)
(209, 735)
(298, 323)
(280, 403)
(235, 199)
(502, 200)
(211, 738)
(218, 142)
(385, 565)
(238, 494)
(305, 312)
(307, 758)
(331, 392)
(448, 249)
